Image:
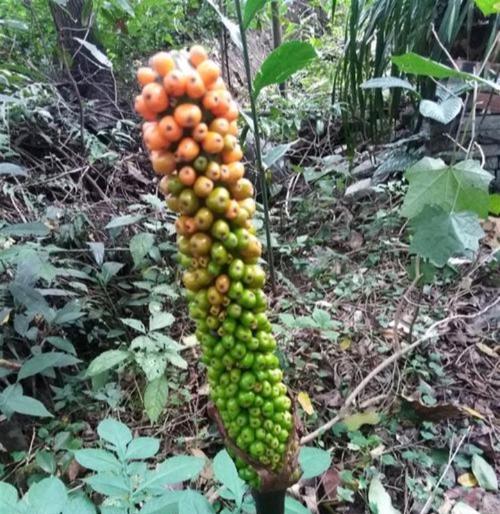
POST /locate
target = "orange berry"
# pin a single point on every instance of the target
(187, 115)
(195, 88)
(224, 173)
(209, 71)
(213, 143)
(170, 129)
(229, 156)
(211, 99)
(242, 189)
(233, 128)
(146, 75)
(203, 187)
(232, 113)
(220, 125)
(163, 162)
(222, 283)
(199, 132)
(197, 55)
(213, 171)
(187, 176)
(175, 83)
(180, 226)
(190, 225)
(236, 171)
(218, 84)
(230, 142)
(232, 210)
(154, 140)
(142, 110)
(162, 62)
(187, 150)
(155, 97)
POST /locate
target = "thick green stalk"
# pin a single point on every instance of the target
(258, 152)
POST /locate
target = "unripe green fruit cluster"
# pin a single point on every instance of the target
(219, 252)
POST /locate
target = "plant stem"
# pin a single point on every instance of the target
(270, 502)
(275, 18)
(262, 176)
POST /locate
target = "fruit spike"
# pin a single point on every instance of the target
(190, 131)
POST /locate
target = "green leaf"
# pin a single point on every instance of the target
(155, 398)
(46, 461)
(109, 270)
(276, 153)
(489, 6)
(35, 229)
(232, 28)
(439, 235)
(97, 54)
(252, 7)
(378, 499)
(97, 460)
(387, 83)
(142, 448)
(116, 486)
(356, 421)
(107, 360)
(79, 504)
(135, 324)
(44, 361)
(192, 502)
(12, 400)
(225, 472)
(160, 320)
(97, 250)
(47, 496)
(115, 432)
(165, 504)
(174, 470)
(484, 473)
(8, 499)
(140, 245)
(32, 299)
(8, 168)
(292, 506)
(495, 204)
(123, 221)
(61, 344)
(126, 7)
(282, 63)
(461, 187)
(443, 112)
(313, 461)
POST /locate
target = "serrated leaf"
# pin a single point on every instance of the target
(97, 460)
(155, 398)
(292, 506)
(489, 6)
(379, 500)
(461, 187)
(438, 235)
(443, 112)
(115, 432)
(161, 320)
(192, 502)
(34, 229)
(252, 7)
(142, 448)
(48, 496)
(484, 473)
(313, 461)
(225, 472)
(44, 361)
(140, 245)
(386, 83)
(282, 63)
(106, 361)
(14, 170)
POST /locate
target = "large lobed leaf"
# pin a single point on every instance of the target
(460, 187)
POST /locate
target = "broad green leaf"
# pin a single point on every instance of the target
(439, 235)
(34, 302)
(13, 400)
(461, 187)
(174, 470)
(140, 245)
(378, 499)
(109, 270)
(46, 461)
(276, 153)
(79, 504)
(47, 496)
(123, 221)
(115, 432)
(313, 461)
(165, 504)
(356, 421)
(97, 250)
(152, 359)
(232, 28)
(8, 499)
(35, 229)
(126, 7)
(252, 7)
(107, 360)
(495, 204)
(155, 398)
(44, 361)
(484, 473)
(160, 320)
(142, 448)
(282, 63)
(292, 506)
(110, 484)
(192, 502)
(489, 6)
(97, 460)
(135, 324)
(387, 83)
(225, 472)
(14, 170)
(443, 112)
(61, 344)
